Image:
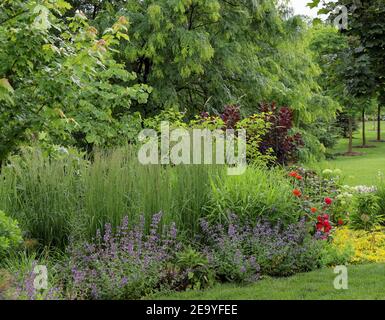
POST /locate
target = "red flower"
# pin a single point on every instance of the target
(293, 174)
(340, 222)
(328, 201)
(323, 224)
(313, 210)
(298, 177)
(297, 193)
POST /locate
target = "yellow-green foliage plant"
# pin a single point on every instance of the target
(367, 246)
(10, 234)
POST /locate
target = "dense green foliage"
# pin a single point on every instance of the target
(90, 71)
(10, 234)
(205, 54)
(80, 79)
(57, 77)
(362, 75)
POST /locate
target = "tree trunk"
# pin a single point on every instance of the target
(363, 129)
(379, 122)
(350, 148)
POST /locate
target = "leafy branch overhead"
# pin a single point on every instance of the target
(58, 75)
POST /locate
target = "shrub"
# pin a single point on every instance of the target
(175, 118)
(10, 234)
(360, 246)
(255, 125)
(225, 249)
(333, 255)
(195, 267)
(279, 137)
(367, 213)
(312, 150)
(316, 186)
(328, 133)
(241, 251)
(256, 128)
(231, 116)
(126, 264)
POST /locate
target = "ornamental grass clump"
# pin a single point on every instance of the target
(258, 193)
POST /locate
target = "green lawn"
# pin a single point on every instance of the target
(364, 282)
(359, 170)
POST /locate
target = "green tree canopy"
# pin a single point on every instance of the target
(58, 76)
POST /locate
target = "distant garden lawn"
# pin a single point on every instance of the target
(359, 170)
(365, 282)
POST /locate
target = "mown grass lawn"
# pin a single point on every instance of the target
(359, 170)
(365, 282)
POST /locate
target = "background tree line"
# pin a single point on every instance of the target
(86, 73)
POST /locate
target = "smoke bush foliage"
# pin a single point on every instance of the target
(242, 251)
(280, 138)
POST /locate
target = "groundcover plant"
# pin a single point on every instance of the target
(191, 149)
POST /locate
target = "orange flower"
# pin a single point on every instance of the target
(297, 193)
(298, 177)
(313, 210)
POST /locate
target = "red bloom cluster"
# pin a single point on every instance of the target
(297, 193)
(323, 224)
(328, 201)
(294, 174)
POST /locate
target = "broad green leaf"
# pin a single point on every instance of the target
(313, 4)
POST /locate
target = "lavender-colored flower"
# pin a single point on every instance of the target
(113, 267)
(173, 231)
(254, 247)
(232, 231)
